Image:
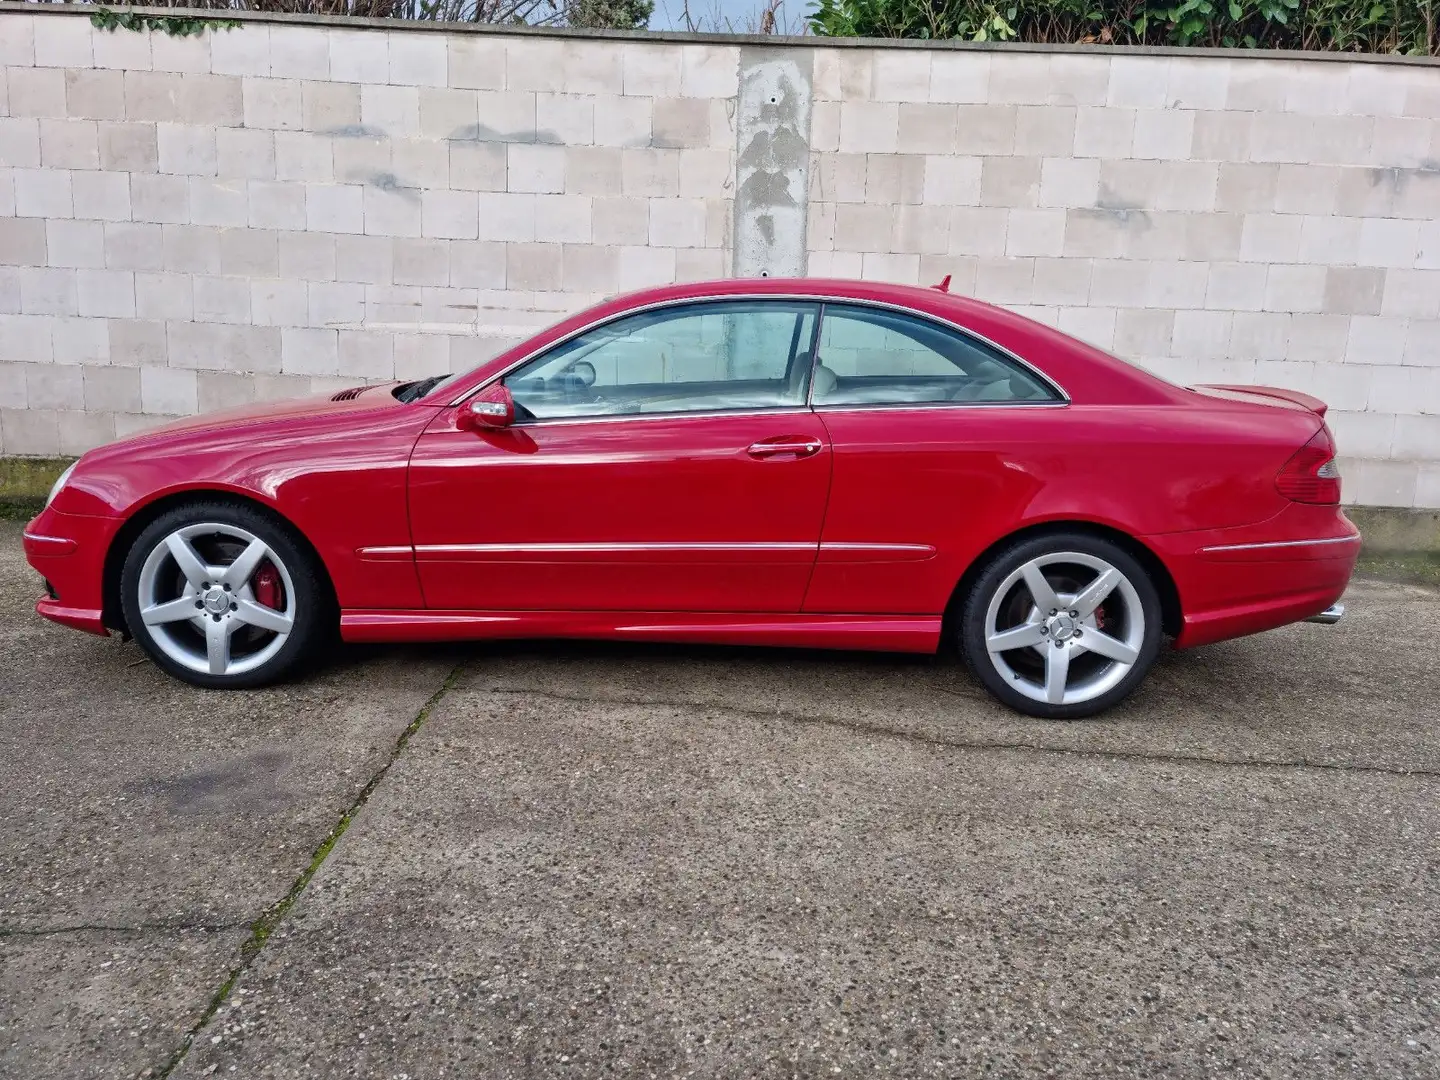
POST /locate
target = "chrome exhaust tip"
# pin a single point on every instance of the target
(1330, 616)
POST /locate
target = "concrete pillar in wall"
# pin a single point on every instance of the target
(772, 161)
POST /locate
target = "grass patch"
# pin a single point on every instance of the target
(1405, 568)
(21, 507)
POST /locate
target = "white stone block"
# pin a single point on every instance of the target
(901, 75)
(624, 122)
(299, 52)
(244, 154)
(708, 71)
(1104, 132)
(391, 211)
(108, 294)
(869, 127)
(48, 292)
(1035, 232)
(168, 391)
(359, 56)
(1267, 238)
(1069, 182)
(20, 142)
(67, 144)
(477, 63)
(43, 193)
(1164, 134)
(17, 44)
(1376, 339)
(1411, 293)
(337, 208)
(278, 303)
(221, 299)
(276, 104)
(533, 168)
(1389, 243)
(563, 219)
(506, 216)
(218, 202)
(394, 110)
(1422, 346)
(307, 351)
(651, 70)
(418, 59)
(960, 77)
(62, 42)
(36, 91)
(952, 180)
(75, 244)
(244, 50)
(160, 199)
(160, 296)
(1093, 325)
(304, 156)
(449, 214)
(186, 149)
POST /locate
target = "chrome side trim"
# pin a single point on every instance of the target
(896, 549)
(607, 548)
(1330, 616)
(1285, 544)
(815, 298)
(848, 547)
(41, 539)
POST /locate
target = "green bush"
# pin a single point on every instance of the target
(1399, 26)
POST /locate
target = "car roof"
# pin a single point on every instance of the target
(1085, 373)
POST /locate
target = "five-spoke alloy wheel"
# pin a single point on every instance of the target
(1061, 626)
(220, 595)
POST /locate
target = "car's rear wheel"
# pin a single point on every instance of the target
(221, 595)
(1061, 625)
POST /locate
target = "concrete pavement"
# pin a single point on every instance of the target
(610, 860)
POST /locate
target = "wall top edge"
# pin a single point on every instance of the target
(681, 37)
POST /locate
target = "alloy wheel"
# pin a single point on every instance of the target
(1064, 628)
(216, 599)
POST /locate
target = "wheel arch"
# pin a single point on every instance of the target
(1171, 613)
(112, 613)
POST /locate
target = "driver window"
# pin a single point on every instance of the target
(705, 357)
(873, 356)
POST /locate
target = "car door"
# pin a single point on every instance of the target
(933, 432)
(664, 461)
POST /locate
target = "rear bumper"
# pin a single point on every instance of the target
(69, 553)
(1234, 582)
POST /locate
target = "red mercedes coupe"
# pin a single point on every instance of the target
(807, 462)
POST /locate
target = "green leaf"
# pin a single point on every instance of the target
(1234, 10)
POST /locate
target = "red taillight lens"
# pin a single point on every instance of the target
(1312, 476)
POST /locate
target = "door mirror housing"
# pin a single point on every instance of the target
(491, 408)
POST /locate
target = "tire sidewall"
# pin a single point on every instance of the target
(309, 598)
(972, 623)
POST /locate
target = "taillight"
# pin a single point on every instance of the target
(1311, 475)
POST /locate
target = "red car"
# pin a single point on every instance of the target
(806, 462)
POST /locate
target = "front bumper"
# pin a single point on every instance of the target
(69, 553)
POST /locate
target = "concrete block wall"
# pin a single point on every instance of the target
(299, 206)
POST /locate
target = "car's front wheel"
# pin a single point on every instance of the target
(1061, 625)
(220, 595)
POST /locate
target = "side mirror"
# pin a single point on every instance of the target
(492, 407)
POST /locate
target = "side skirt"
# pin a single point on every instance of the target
(879, 633)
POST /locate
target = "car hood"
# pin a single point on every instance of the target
(262, 412)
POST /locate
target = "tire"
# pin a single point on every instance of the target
(1104, 650)
(197, 590)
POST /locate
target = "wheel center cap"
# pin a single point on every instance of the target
(1062, 628)
(216, 601)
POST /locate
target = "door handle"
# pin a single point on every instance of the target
(798, 445)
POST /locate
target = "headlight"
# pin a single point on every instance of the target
(60, 483)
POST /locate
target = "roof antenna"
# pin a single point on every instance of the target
(944, 285)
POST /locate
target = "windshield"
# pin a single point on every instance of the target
(414, 391)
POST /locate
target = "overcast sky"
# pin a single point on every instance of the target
(742, 16)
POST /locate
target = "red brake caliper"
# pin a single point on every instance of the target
(266, 583)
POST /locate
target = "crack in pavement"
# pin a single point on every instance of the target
(262, 927)
(930, 740)
(143, 928)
